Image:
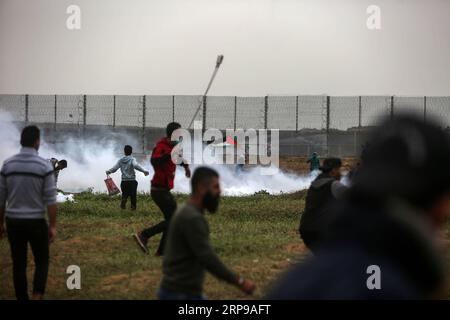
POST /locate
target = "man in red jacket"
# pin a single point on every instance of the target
(161, 185)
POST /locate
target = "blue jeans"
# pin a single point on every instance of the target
(163, 294)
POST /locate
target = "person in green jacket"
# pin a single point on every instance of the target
(314, 162)
(189, 253)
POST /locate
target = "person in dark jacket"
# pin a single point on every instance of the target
(385, 240)
(161, 184)
(322, 192)
(127, 166)
(189, 253)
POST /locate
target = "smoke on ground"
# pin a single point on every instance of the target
(88, 161)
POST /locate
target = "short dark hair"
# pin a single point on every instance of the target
(62, 163)
(330, 164)
(29, 136)
(202, 175)
(171, 127)
(128, 150)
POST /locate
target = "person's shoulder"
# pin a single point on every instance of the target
(188, 213)
(47, 165)
(10, 159)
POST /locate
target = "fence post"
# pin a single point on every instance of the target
(425, 109)
(114, 111)
(296, 114)
(173, 108)
(144, 110)
(328, 113)
(392, 107)
(360, 112)
(266, 109)
(204, 114)
(26, 107)
(56, 110)
(235, 112)
(328, 124)
(84, 110)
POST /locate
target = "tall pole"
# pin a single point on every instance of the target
(216, 69)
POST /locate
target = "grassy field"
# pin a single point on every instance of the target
(255, 235)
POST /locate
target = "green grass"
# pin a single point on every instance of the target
(255, 235)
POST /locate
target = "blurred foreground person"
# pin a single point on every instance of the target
(27, 191)
(128, 186)
(162, 183)
(189, 252)
(321, 195)
(314, 162)
(58, 166)
(384, 241)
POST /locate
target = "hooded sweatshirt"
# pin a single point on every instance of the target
(127, 165)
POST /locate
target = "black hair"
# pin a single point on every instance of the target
(128, 150)
(171, 127)
(330, 164)
(202, 175)
(29, 136)
(62, 163)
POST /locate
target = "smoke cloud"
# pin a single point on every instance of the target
(88, 161)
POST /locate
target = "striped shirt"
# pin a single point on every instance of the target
(27, 185)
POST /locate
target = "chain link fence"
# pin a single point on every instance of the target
(328, 125)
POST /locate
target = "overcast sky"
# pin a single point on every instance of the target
(270, 47)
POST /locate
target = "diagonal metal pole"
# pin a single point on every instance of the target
(218, 63)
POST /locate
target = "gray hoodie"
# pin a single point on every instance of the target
(127, 166)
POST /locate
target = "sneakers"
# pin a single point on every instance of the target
(141, 242)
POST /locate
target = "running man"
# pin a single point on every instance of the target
(162, 183)
(189, 252)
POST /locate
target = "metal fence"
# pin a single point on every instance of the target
(328, 124)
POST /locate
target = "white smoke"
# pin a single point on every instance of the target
(88, 161)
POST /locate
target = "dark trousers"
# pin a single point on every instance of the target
(167, 204)
(20, 233)
(129, 190)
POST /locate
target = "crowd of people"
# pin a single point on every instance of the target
(389, 215)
